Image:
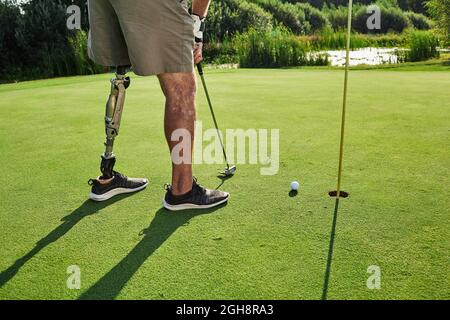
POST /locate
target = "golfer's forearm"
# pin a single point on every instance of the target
(200, 7)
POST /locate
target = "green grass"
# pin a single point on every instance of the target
(264, 244)
(437, 64)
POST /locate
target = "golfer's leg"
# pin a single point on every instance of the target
(179, 90)
(108, 47)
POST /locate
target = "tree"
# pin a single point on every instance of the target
(9, 48)
(228, 17)
(42, 36)
(440, 11)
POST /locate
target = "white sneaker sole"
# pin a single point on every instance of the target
(187, 206)
(108, 195)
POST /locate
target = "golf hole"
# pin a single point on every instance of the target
(342, 194)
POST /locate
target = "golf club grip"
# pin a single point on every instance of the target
(200, 68)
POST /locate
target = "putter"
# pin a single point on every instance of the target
(229, 170)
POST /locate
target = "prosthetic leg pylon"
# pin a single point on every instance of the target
(113, 116)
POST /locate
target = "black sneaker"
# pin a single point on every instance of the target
(119, 184)
(197, 198)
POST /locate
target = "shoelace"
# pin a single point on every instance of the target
(195, 187)
(115, 173)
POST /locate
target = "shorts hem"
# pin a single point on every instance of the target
(108, 62)
(171, 69)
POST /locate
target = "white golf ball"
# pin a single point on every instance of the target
(295, 185)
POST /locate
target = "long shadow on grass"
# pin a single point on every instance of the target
(68, 222)
(164, 224)
(330, 252)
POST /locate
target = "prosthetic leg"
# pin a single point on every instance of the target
(102, 189)
(113, 115)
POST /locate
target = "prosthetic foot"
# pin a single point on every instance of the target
(112, 183)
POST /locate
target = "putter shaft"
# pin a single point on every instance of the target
(202, 77)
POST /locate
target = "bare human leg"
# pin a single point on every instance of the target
(180, 90)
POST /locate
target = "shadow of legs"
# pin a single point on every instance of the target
(87, 208)
(161, 228)
(330, 252)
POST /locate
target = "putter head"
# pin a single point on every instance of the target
(229, 171)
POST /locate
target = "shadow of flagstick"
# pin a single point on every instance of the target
(330, 252)
(161, 228)
(86, 209)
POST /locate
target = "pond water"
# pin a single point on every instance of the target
(368, 56)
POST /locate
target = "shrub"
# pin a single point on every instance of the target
(317, 19)
(440, 11)
(412, 5)
(286, 14)
(83, 64)
(227, 17)
(388, 4)
(418, 21)
(338, 40)
(314, 3)
(422, 45)
(9, 48)
(389, 40)
(337, 17)
(392, 20)
(276, 48)
(41, 46)
(330, 40)
(220, 53)
(323, 3)
(42, 37)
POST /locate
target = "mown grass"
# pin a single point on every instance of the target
(264, 244)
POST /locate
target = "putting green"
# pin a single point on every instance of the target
(264, 244)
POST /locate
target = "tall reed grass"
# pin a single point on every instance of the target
(422, 46)
(273, 49)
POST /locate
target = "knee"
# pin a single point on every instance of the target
(178, 86)
(183, 93)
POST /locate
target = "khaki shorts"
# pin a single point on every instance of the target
(154, 36)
